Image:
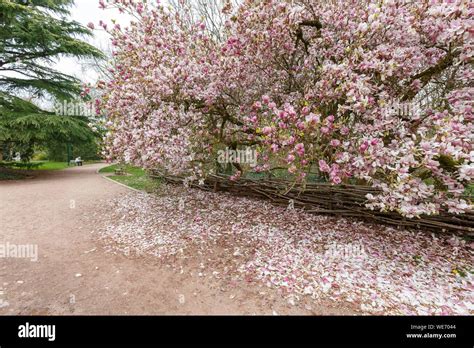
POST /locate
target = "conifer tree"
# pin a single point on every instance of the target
(33, 35)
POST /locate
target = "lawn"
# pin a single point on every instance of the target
(51, 165)
(136, 178)
(39, 165)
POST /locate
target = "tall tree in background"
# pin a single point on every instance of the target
(33, 33)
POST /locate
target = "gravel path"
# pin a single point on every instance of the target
(74, 274)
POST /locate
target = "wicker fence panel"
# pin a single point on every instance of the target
(324, 198)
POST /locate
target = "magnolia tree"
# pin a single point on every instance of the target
(311, 85)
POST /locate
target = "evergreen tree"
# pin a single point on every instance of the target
(33, 33)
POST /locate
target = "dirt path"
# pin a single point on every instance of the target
(73, 273)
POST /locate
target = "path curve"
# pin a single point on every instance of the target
(73, 273)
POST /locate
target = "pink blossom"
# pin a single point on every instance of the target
(305, 111)
(267, 130)
(323, 166)
(177, 93)
(312, 118)
(325, 130)
(299, 148)
(344, 130)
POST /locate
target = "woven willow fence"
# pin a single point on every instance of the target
(323, 198)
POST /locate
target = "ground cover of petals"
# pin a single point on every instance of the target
(377, 269)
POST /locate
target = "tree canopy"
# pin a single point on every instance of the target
(311, 86)
(33, 34)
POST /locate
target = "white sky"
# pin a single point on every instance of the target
(84, 12)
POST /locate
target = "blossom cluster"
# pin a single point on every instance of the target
(308, 84)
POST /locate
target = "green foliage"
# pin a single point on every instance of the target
(109, 169)
(40, 156)
(87, 150)
(21, 165)
(33, 33)
(470, 191)
(9, 174)
(39, 127)
(51, 165)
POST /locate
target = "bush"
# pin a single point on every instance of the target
(88, 151)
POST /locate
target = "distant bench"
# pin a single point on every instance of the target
(119, 171)
(74, 162)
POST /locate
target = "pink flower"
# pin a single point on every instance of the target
(325, 130)
(290, 158)
(335, 142)
(312, 118)
(266, 99)
(336, 180)
(416, 85)
(299, 148)
(267, 130)
(90, 25)
(344, 130)
(305, 111)
(323, 166)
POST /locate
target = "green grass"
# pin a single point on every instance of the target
(136, 178)
(47, 165)
(51, 165)
(470, 191)
(39, 165)
(109, 169)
